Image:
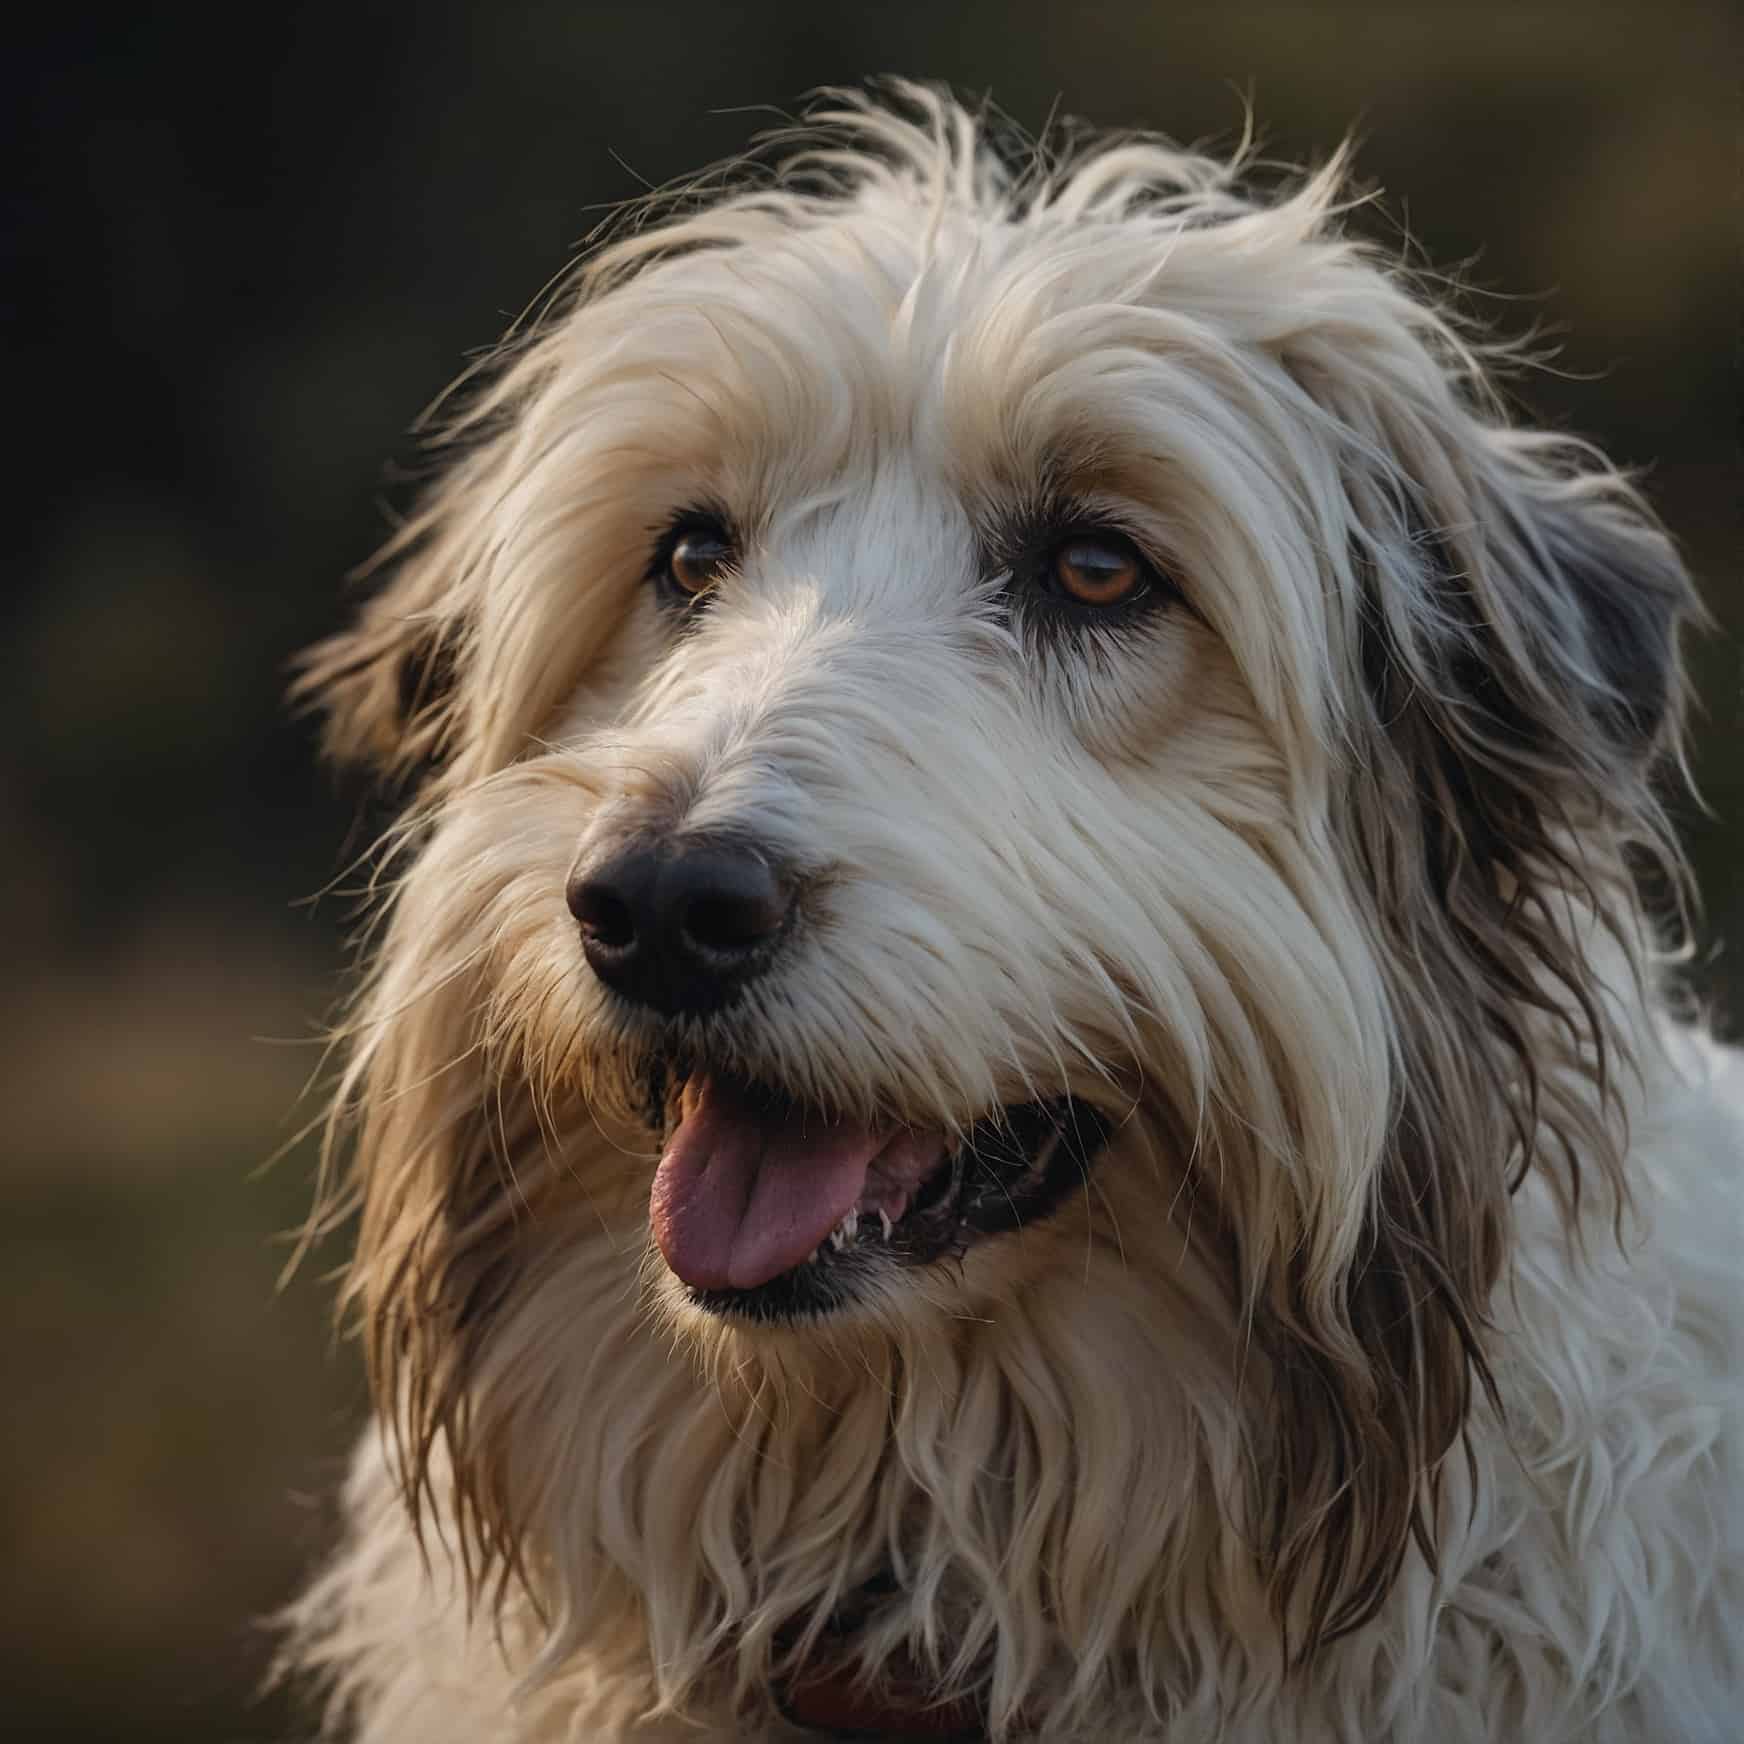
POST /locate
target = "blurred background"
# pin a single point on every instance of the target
(244, 248)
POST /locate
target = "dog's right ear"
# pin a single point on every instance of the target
(388, 685)
(392, 686)
(386, 688)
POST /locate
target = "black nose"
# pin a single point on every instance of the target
(680, 929)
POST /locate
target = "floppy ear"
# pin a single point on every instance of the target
(1614, 593)
(386, 687)
(1509, 675)
(395, 685)
(389, 685)
(500, 590)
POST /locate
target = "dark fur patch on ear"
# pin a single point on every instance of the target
(427, 672)
(428, 676)
(1490, 779)
(1612, 645)
(387, 688)
(1628, 591)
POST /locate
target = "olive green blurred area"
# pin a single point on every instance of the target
(244, 250)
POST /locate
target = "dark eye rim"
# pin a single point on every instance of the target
(668, 590)
(1115, 539)
(1029, 552)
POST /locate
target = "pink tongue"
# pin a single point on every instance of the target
(742, 1195)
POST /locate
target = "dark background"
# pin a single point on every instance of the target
(243, 250)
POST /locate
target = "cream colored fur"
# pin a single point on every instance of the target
(1386, 1381)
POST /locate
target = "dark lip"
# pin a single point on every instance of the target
(1015, 1168)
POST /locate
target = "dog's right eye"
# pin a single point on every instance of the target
(692, 558)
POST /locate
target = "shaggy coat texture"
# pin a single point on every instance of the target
(1381, 1375)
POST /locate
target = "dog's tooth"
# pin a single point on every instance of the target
(884, 1222)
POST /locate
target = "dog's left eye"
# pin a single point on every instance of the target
(692, 558)
(1098, 569)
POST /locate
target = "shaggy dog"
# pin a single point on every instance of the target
(1015, 1079)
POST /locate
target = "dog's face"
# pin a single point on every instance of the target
(922, 760)
(975, 736)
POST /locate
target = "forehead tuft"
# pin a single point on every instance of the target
(931, 208)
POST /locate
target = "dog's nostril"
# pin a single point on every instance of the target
(738, 920)
(606, 918)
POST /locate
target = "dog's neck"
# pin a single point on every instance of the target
(828, 1693)
(826, 1697)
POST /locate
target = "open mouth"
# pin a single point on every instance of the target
(768, 1210)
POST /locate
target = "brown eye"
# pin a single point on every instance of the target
(699, 555)
(1099, 569)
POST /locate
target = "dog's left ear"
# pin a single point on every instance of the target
(1506, 615)
(1612, 591)
(1518, 574)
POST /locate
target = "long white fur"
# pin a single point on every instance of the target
(1123, 870)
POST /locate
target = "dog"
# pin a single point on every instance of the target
(1020, 1073)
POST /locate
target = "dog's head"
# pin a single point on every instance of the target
(984, 728)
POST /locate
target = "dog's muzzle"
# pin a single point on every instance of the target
(765, 1208)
